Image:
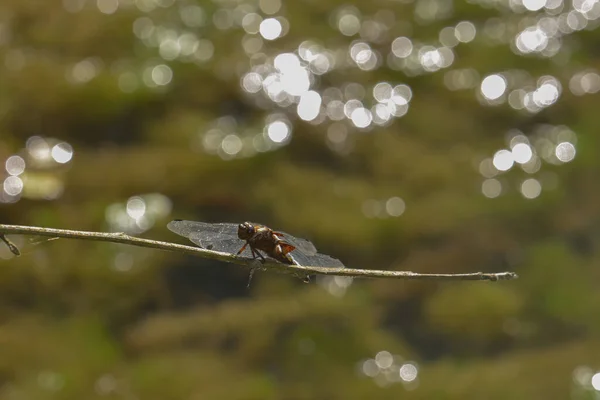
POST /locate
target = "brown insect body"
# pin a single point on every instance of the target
(262, 238)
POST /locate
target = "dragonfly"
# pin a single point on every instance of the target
(236, 238)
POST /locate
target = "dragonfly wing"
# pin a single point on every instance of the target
(186, 228)
(315, 260)
(219, 236)
(225, 245)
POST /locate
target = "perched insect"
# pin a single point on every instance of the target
(235, 238)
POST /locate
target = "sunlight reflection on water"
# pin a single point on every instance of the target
(306, 79)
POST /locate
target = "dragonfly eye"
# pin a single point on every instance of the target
(245, 230)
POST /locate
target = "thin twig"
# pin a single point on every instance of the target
(11, 246)
(298, 270)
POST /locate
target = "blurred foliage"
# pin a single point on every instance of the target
(155, 103)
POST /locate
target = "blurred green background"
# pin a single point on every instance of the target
(425, 135)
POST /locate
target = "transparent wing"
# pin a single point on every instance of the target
(203, 230)
(315, 260)
(219, 243)
(220, 236)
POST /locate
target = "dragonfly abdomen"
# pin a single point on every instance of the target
(267, 241)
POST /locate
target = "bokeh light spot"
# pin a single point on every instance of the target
(531, 188)
(565, 152)
(270, 29)
(349, 25)
(395, 206)
(370, 368)
(82, 72)
(465, 31)
(204, 51)
(193, 16)
(252, 82)
(595, 381)
(231, 144)
(15, 165)
(309, 105)
(384, 359)
(62, 152)
(269, 7)
(136, 207)
(534, 5)
(278, 131)
(13, 185)
(546, 94)
(522, 153)
(493, 86)
(108, 6)
(487, 169)
(408, 372)
(491, 188)
(361, 117)
(532, 39)
(251, 23)
(38, 148)
(503, 160)
(162, 74)
(402, 47)
(372, 208)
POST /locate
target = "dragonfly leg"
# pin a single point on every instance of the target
(250, 277)
(244, 248)
(256, 253)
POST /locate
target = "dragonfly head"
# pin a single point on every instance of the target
(246, 230)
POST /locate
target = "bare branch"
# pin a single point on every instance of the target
(298, 270)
